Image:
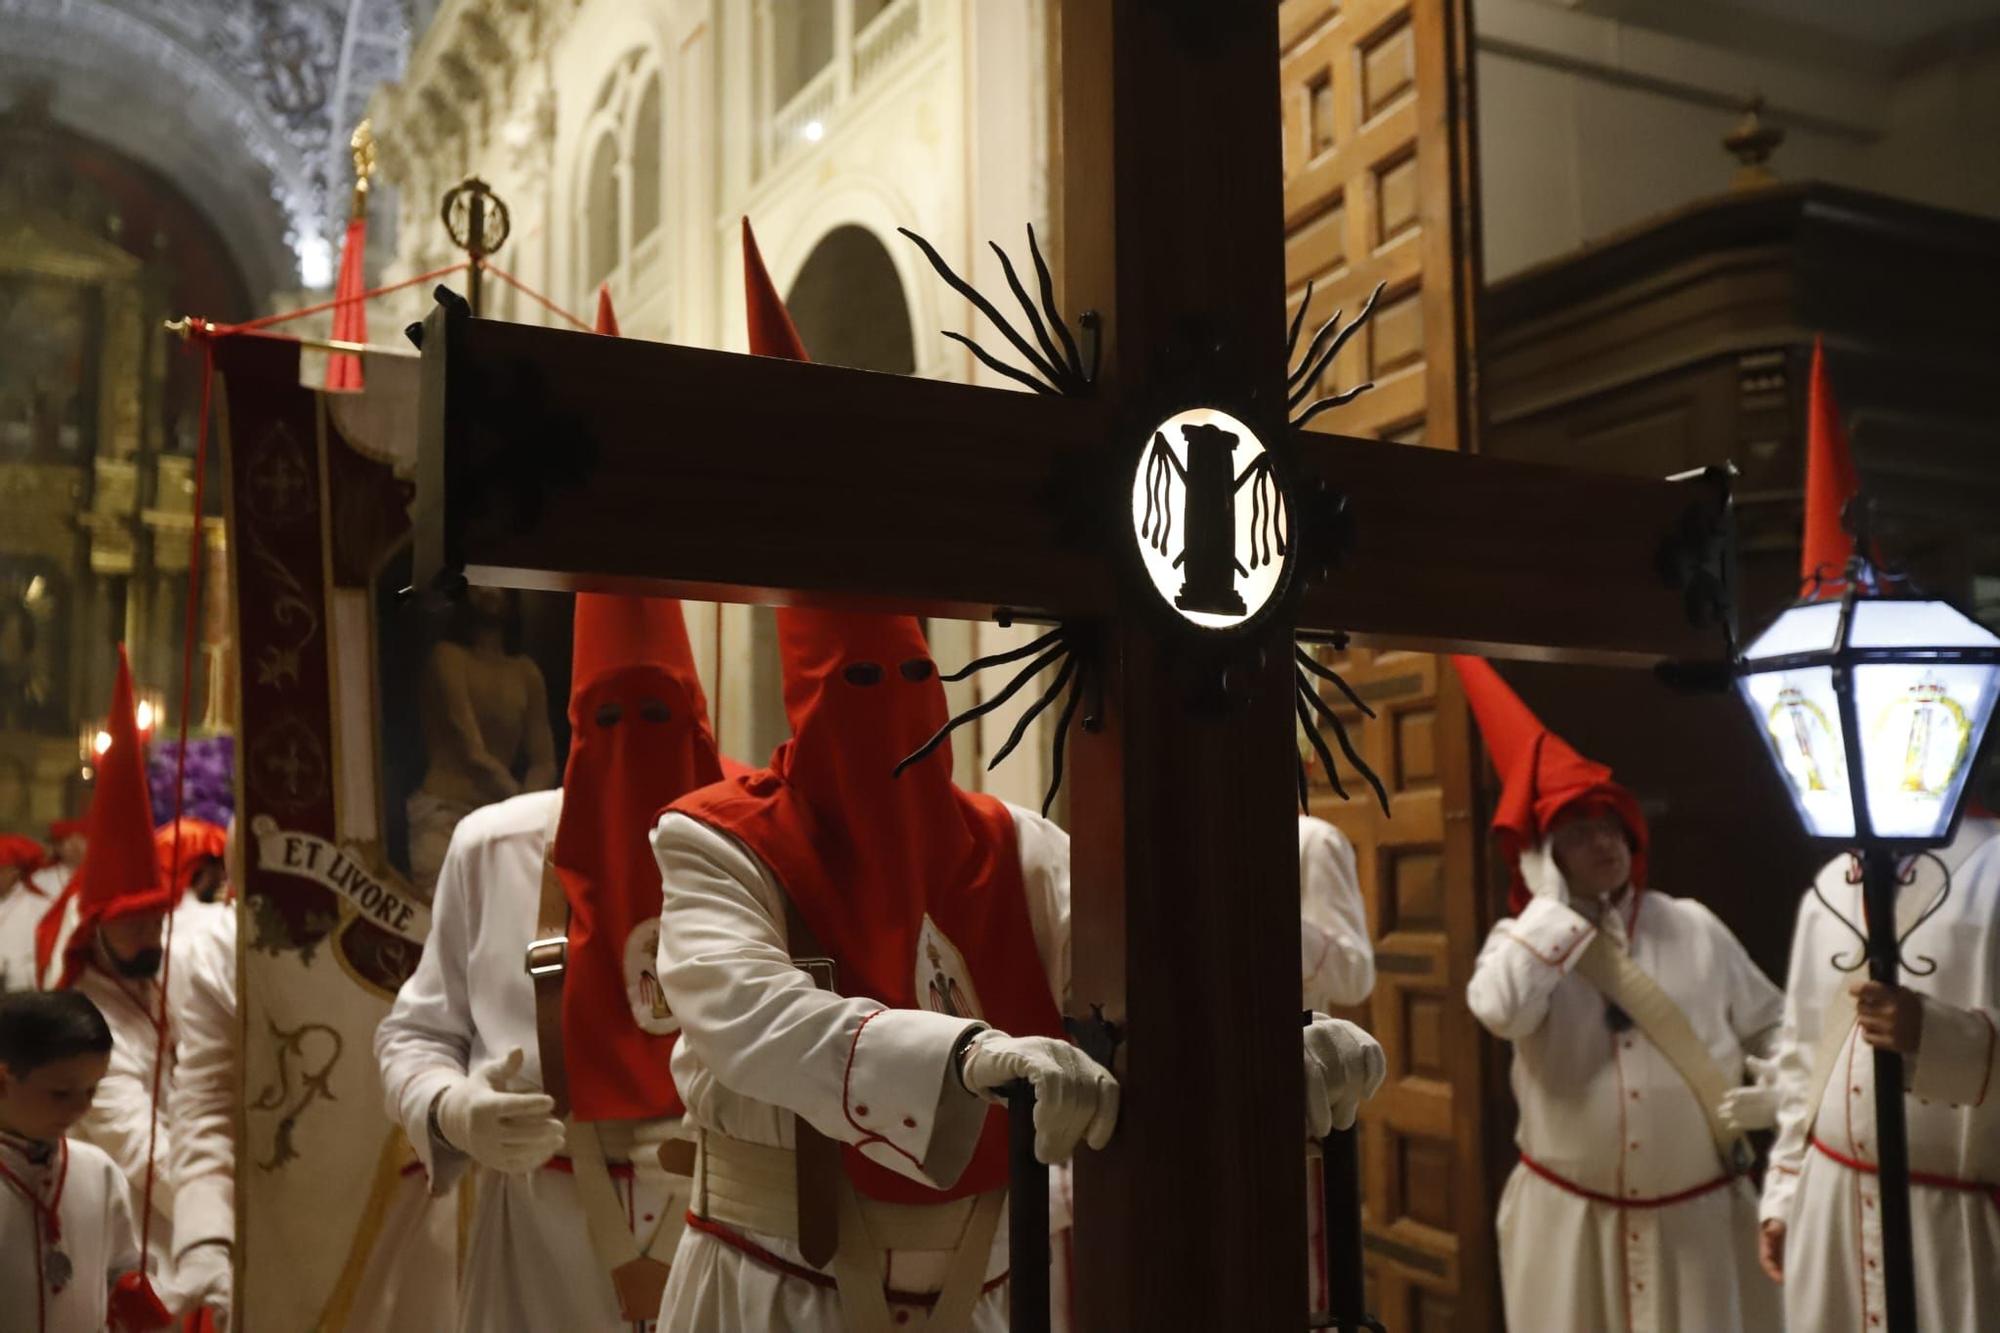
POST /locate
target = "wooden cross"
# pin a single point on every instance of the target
(563, 461)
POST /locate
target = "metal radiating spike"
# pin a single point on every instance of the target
(1298, 322)
(979, 664)
(993, 363)
(1056, 320)
(1026, 674)
(1325, 710)
(1033, 711)
(984, 306)
(1325, 672)
(1325, 404)
(1061, 742)
(1057, 370)
(1319, 745)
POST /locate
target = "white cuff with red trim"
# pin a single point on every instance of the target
(1954, 1060)
(1554, 932)
(904, 1104)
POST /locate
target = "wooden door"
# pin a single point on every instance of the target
(1378, 188)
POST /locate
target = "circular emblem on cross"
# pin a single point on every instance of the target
(1211, 517)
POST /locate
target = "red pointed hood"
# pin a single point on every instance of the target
(1830, 483)
(63, 828)
(640, 737)
(24, 854)
(1541, 775)
(120, 875)
(885, 870)
(607, 318)
(199, 842)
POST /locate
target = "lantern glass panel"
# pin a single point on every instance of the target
(1920, 723)
(1798, 715)
(1802, 629)
(1916, 624)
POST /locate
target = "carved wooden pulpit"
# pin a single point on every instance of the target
(552, 458)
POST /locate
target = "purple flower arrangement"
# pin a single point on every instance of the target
(208, 790)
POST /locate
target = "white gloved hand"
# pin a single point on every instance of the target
(1076, 1099)
(1542, 875)
(506, 1131)
(206, 1277)
(1344, 1067)
(1749, 1107)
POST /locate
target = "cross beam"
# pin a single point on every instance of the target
(554, 454)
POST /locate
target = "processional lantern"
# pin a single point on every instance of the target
(1872, 705)
(1873, 700)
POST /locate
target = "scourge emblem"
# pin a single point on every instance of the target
(642, 981)
(943, 982)
(57, 1267)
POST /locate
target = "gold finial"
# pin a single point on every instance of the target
(1753, 142)
(362, 145)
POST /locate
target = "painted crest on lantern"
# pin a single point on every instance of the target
(1933, 733)
(1211, 518)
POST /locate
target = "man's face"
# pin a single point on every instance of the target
(1592, 852)
(9, 876)
(208, 880)
(71, 850)
(133, 943)
(45, 1103)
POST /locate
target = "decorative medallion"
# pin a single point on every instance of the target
(1211, 517)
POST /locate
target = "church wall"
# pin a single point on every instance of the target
(934, 116)
(1589, 126)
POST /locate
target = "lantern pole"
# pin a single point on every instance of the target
(1892, 1144)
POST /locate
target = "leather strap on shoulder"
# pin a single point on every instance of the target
(547, 963)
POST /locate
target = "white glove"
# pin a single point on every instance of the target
(1542, 875)
(505, 1131)
(1344, 1067)
(1749, 1107)
(206, 1277)
(1076, 1099)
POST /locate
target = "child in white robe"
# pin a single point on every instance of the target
(65, 1222)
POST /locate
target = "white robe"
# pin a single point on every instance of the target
(20, 912)
(529, 1266)
(759, 1043)
(1336, 958)
(1833, 1242)
(52, 879)
(1608, 1113)
(97, 1238)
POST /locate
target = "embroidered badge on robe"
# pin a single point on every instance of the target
(943, 980)
(642, 981)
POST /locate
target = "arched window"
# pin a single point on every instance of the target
(620, 183)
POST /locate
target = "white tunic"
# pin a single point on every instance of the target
(97, 1239)
(759, 1043)
(1609, 1114)
(52, 879)
(1833, 1241)
(122, 1115)
(20, 912)
(529, 1266)
(1336, 960)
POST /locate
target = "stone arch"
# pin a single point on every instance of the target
(850, 306)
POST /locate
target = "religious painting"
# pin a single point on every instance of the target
(47, 376)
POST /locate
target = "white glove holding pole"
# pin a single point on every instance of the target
(503, 1130)
(1542, 875)
(1344, 1067)
(1076, 1099)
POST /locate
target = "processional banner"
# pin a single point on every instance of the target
(329, 929)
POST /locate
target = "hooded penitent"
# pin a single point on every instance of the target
(200, 842)
(1830, 483)
(66, 828)
(1541, 776)
(639, 738)
(900, 879)
(24, 854)
(120, 875)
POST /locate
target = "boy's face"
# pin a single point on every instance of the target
(44, 1103)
